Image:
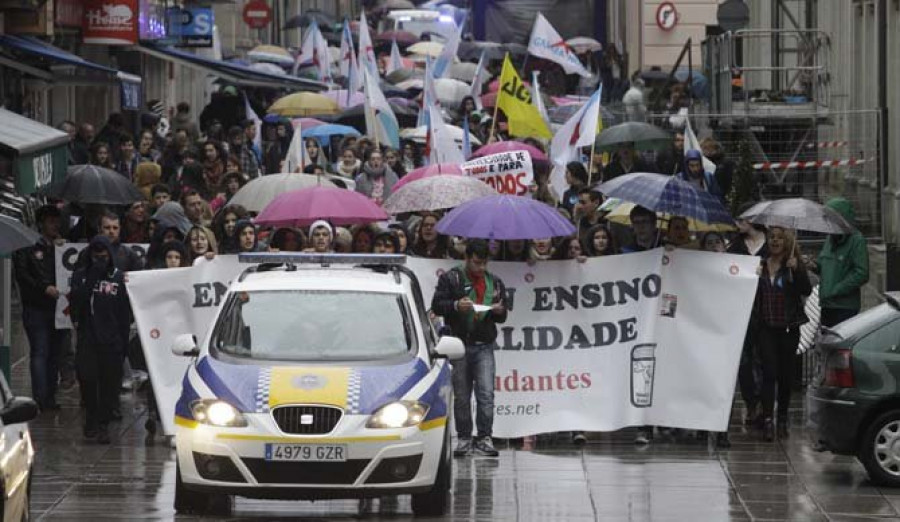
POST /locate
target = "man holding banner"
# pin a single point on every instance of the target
(471, 301)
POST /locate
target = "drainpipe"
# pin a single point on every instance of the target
(892, 253)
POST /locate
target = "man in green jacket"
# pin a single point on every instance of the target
(843, 266)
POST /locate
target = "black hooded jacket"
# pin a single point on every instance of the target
(99, 302)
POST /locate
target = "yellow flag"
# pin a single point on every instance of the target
(514, 100)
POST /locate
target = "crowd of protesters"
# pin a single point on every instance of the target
(189, 175)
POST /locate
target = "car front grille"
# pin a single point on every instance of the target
(307, 419)
(305, 472)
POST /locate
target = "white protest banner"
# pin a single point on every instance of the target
(66, 259)
(507, 172)
(652, 338)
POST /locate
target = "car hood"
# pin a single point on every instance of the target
(356, 389)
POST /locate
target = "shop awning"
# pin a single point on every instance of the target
(38, 151)
(38, 48)
(234, 73)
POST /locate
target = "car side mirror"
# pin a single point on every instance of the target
(19, 410)
(185, 345)
(450, 348)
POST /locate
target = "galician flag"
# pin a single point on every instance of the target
(251, 115)
(692, 143)
(579, 131)
(366, 50)
(315, 50)
(546, 43)
(429, 95)
(381, 123)
(297, 157)
(442, 65)
(348, 65)
(443, 147)
(515, 101)
(481, 76)
(396, 62)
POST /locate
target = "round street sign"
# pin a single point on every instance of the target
(733, 15)
(666, 16)
(257, 14)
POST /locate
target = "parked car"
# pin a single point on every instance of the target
(321, 377)
(16, 453)
(854, 398)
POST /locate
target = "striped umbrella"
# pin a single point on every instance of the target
(668, 195)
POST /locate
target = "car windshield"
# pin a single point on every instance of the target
(312, 325)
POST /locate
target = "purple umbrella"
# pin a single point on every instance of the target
(505, 217)
(305, 206)
(509, 146)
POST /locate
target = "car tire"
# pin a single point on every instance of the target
(200, 503)
(436, 501)
(883, 466)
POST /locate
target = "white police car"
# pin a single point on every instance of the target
(321, 377)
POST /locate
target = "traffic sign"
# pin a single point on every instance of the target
(666, 16)
(257, 14)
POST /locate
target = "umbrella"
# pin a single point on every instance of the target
(583, 44)
(620, 212)
(356, 117)
(505, 217)
(435, 169)
(462, 71)
(268, 67)
(14, 235)
(96, 185)
(420, 134)
(304, 104)
(302, 20)
(472, 50)
(391, 91)
(561, 113)
(642, 135)
(340, 96)
(271, 53)
(509, 146)
(412, 83)
(401, 37)
(401, 75)
(798, 214)
(324, 132)
(306, 123)
(436, 193)
(305, 206)
(667, 194)
(258, 193)
(432, 49)
(450, 92)
(489, 100)
(390, 5)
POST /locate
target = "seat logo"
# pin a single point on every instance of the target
(309, 382)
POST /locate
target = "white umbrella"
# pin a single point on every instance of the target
(582, 44)
(412, 83)
(463, 71)
(254, 196)
(432, 49)
(450, 92)
(267, 67)
(271, 53)
(418, 134)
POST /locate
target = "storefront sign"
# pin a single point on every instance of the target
(110, 22)
(131, 95)
(151, 20)
(36, 170)
(195, 27)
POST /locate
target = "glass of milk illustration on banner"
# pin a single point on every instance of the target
(643, 369)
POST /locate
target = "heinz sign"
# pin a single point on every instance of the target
(110, 22)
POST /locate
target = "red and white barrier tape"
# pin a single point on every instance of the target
(826, 144)
(808, 164)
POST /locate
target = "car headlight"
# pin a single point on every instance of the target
(400, 414)
(217, 413)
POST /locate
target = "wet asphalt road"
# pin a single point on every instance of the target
(609, 479)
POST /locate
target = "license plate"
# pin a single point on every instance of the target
(306, 452)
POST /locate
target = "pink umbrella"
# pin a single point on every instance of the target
(489, 99)
(340, 96)
(305, 206)
(452, 169)
(306, 123)
(508, 146)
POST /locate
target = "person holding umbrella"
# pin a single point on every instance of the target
(626, 161)
(458, 293)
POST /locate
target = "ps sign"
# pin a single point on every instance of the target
(196, 27)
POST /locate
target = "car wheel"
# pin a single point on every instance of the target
(436, 501)
(880, 449)
(198, 502)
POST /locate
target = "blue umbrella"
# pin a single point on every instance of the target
(505, 217)
(324, 132)
(699, 83)
(667, 194)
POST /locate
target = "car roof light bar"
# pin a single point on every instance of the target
(290, 258)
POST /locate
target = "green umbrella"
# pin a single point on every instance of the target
(642, 136)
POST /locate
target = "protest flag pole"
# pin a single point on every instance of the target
(497, 102)
(591, 160)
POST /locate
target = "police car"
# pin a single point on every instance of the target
(321, 377)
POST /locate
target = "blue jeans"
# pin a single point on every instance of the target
(476, 371)
(46, 348)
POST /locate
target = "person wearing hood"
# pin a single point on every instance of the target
(843, 268)
(247, 239)
(175, 255)
(184, 120)
(165, 231)
(377, 180)
(101, 314)
(695, 174)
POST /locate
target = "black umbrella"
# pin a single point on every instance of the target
(97, 185)
(14, 235)
(326, 22)
(642, 136)
(356, 117)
